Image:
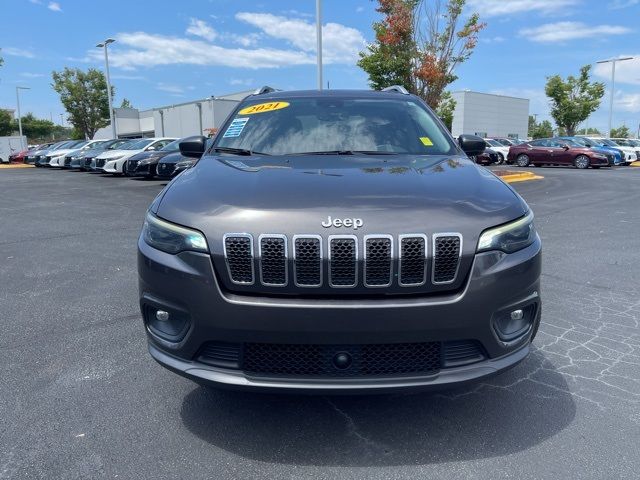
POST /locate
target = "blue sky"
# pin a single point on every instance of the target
(170, 52)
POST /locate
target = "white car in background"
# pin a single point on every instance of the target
(500, 148)
(53, 156)
(629, 143)
(58, 160)
(114, 161)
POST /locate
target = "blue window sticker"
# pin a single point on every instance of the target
(236, 127)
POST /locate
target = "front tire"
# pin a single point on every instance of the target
(500, 159)
(522, 160)
(582, 162)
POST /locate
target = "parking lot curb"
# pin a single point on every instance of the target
(513, 177)
(15, 165)
(636, 163)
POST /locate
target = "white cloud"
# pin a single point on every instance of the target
(165, 87)
(359, 9)
(18, 52)
(497, 39)
(618, 4)
(627, 102)
(341, 44)
(200, 28)
(563, 31)
(626, 72)
(31, 75)
(54, 6)
(142, 49)
(247, 82)
(490, 8)
(118, 76)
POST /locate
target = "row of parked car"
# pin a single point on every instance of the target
(577, 151)
(145, 157)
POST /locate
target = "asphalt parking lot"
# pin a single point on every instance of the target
(81, 398)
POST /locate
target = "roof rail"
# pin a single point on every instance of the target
(265, 89)
(396, 88)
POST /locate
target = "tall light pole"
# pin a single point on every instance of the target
(613, 84)
(62, 119)
(319, 40)
(106, 63)
(22, 146)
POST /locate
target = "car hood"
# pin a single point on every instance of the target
(149, 155)
(117, 153)
(391, 194)
(175, 157)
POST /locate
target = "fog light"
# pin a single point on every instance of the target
(164, 316)
(511, 325)
(170, 324)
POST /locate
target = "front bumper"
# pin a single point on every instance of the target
(187, 283)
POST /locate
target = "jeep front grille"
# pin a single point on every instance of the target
(446, 257)
(375, 258)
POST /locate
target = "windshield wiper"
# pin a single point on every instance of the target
(237, 151)
(346, 152)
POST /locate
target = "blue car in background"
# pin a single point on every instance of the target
(599, 147)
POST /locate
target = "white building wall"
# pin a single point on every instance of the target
(490, 115)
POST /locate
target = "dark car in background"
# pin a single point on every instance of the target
(551, 151)
(175, 163)
(338, 241)
(144, 164)
(488, 157)
(43, 161)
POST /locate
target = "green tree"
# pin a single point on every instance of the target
(446, 108)
(126, 103)
(532, 125)
(84, 96)
(543, 129)
(620, 132)
(1, 59)
(573, 99)
(35, 128)
(6, 123)
(418, 45)
(588, 131)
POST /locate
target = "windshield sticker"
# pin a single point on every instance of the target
(263, 107)
(236, 127)
(426, 141)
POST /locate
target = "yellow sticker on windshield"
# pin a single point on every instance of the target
(263, 107)
(426, 141)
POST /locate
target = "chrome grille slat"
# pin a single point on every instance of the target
(378, 260)
(447, 250)
(307, 260)
(238, 253)
(412, 264)
(343, 261)
(273, 260)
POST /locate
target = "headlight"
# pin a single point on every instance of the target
(509, 238)
(599, 155)
(171, 238)
(184, 164)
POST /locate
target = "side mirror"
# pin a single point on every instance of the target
(193, 147)
(151, 149)
(565, 147)
(471, 144)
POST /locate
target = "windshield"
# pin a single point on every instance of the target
(336, 125)
(137, 145)
(493, 143)
(173, 146)
(117, 144)
(580, 141)
(623, 142)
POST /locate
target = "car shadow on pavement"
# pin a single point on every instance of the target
(507, 414)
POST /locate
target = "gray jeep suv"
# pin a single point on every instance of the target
(338, 241)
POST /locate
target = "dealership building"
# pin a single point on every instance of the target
(177, 120)
(488, 115)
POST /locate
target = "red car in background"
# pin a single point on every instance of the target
(18, 156)
(552, 151)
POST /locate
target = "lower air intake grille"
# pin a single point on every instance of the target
(220, 354)
(363, 360)
(413, 258)
(378, 261)
(273, 261)
(239, 254)
(446, 258)
(342, 262)
(462, 352)
(308, 261)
